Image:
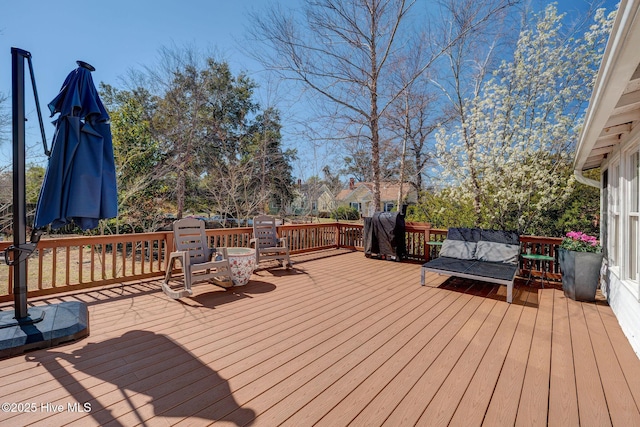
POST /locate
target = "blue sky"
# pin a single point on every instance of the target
(116, 36)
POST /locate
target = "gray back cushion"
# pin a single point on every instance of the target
(483, 245)
(458, 249)
(464, 234)
(497, 252)
(500, 236)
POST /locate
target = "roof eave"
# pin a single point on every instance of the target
(619, 62)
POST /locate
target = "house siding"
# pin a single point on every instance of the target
(626, 307)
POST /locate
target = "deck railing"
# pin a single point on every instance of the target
(71, 263)
(541, 246)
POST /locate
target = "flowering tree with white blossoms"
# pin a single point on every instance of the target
(510, 153)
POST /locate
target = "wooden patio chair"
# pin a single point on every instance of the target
(267, 243)
(199, 262)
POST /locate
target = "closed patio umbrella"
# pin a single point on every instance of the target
(80, 183)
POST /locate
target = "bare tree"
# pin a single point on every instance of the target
(230, 187)
(413, 119)
(6, 201)
(343, 51)
(5, 118)
(246, 181)
(6, 183)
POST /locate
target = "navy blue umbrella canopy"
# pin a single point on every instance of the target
(80, 183)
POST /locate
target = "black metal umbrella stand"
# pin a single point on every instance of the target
(23, 328)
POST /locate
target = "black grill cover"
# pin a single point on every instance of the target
(384, 235)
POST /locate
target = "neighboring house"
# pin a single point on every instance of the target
(610, 139)
(325, 201)
(359, 195)
(311, 199)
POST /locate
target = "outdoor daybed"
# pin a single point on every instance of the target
(474, 253)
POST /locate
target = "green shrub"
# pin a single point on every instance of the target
(345, 213)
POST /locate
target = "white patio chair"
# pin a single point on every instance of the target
(267, 243)
(199, 262)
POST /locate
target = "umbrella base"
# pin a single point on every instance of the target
(44, 327)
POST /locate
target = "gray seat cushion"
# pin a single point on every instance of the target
(494, 270)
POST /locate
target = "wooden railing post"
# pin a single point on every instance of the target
(427, 248)
(168, 247)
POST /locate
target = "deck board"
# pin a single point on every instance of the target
(563, 400)
(369, 342)
(442, 407)
(347, 394)
(413, 405)
(505, 400)
(339, 340)
(475, 401)
(592, 404)
(432, 341)
(624, 353)
(622, 409)
(534, 400)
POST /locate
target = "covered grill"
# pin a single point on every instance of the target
(384, 235)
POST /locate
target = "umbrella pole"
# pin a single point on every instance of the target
(19, 192)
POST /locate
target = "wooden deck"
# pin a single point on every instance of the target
(339, 340)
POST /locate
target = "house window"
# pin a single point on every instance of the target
(634, 208)
(388, 206)
(355, 205)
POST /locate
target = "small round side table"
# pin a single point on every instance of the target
(545, 261)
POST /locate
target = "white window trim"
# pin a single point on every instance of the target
(629, 214)
(614, 214)
(624, 185)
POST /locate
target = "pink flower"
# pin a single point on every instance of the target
(578, 241)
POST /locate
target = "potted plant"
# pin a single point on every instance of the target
(580, 257)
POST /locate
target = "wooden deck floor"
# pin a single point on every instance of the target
(339, 340)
